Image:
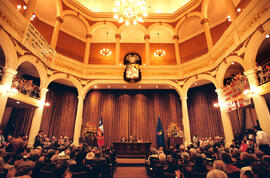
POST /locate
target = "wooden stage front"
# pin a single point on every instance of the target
(131, 149)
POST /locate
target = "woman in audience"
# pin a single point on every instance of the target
(230, 168)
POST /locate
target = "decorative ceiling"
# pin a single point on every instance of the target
(190, 27)
(154, 6)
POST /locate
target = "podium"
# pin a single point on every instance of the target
(131, 148)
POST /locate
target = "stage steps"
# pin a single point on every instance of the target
(130, 162)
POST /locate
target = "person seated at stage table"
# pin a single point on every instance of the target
(139, 140)
(123, 139)
(131, 138)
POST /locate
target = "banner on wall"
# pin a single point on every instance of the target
(36, 43)
(234, 94)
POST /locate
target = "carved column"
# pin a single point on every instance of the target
(176, 48)
(187, 136)
(231, 9)
(209, 41)
(225, 118)
(36, 121)
(78, 122)
(147, 49)
(59, 20)
(117, 48)
(30, 9)
(259, 102)
(6, 84)
(87, 48)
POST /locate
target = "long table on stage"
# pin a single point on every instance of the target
(131, 148)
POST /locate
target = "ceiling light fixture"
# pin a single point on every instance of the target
(106, 51)
(159, 52)
(267, 36)
(130, 11)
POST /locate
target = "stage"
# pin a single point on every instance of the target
(131, 149)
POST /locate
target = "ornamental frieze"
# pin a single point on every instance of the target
(195, 68)
(68, 67)
(252, 22)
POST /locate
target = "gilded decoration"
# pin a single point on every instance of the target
(252, 22)
(196, 68)
(9, 23)
(224, 49)
(71, 68)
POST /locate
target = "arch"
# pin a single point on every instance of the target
(225, 65)
(253, 46)
(138, 26)
(98, 24)
(204, 9)
(90, 85)
(66, 77)
(59, 7)
(193, 79)
(38, 65)
(9, 50)
(164, 25)
(192, 14)
(76, 14)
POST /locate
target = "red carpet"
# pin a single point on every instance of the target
(130, 172)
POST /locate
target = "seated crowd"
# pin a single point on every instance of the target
(263, 73)
(248, 157)
(26, 87)
(54, 158)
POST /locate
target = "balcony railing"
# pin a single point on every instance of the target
(26, 87)
(263, 73)
(1, 73)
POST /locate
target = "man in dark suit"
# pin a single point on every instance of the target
(39, 139)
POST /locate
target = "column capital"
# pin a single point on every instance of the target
(175, 37)
(250, 72)
(44, 90)
(204, 20)
(11, 71)
(80, 97)
(219, 90)
(147, 37)
(59, 19)
(183, 97)
(118, 36)
(88, 36)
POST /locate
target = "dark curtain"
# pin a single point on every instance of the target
(204, 118)
(132, 112)
(59, 118)
(19, 122)
(243, 118)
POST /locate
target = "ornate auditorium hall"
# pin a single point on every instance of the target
(134, 88)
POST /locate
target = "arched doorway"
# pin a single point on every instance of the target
(204, 117)
(243, 118)
(18, 114)
(59, 118)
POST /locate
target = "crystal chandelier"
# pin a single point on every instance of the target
(105, 52)
(130, 11)
(159, 53)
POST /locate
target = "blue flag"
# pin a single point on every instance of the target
(160, 134)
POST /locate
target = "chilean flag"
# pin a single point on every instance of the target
(100, 134)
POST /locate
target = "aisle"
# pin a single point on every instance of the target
(130, 172)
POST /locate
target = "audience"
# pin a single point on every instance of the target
(209, 158)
